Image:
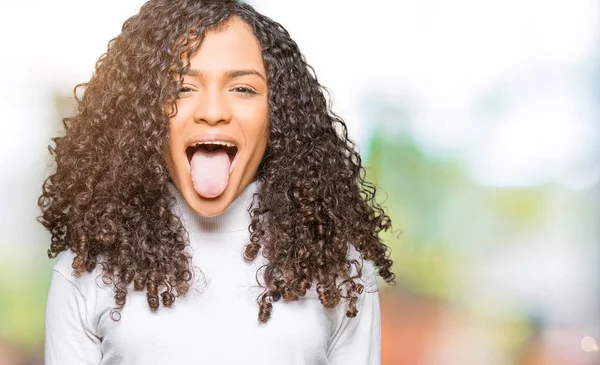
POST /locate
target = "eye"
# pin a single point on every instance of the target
(185, 90)
(244, 90)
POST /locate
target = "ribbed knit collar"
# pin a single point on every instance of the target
(235, 218)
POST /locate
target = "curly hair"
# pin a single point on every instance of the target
(108, 199)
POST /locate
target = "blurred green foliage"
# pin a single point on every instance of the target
(23, 291)
(414, 187)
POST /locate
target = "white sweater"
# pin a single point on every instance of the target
(216, 321)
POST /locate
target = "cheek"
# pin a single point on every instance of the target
(168, 148)
(178, 122)
(172, 133)
(260, 133)
(255, 125)
(175, 139)
(265, 136)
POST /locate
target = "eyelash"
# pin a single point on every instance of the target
(241, 89)
(245, 90)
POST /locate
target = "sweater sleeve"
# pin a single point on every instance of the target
(358, 340)
(70, 338)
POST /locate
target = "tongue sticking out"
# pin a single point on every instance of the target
(210, 172)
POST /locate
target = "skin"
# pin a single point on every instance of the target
(223, 97)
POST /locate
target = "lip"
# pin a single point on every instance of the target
(212, 137)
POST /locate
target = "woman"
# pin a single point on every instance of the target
(204, 180)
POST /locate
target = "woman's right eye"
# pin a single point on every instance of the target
(185, 90)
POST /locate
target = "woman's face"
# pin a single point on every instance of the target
(219, 134)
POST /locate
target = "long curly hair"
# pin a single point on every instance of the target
(108, 199)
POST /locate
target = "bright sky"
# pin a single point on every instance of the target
(504, 84)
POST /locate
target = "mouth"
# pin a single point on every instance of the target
(211, 164)
(213, 147)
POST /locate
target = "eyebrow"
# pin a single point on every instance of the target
(231, 74)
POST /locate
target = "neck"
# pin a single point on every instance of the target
(235, 218)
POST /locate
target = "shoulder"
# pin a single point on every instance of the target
(85, 282)
(64, 262)
(368, 273)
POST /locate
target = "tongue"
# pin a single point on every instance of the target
(210, 172)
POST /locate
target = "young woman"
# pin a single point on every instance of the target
(209, 205)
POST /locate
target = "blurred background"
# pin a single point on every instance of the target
(478, 121)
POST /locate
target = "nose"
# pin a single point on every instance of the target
(212, 108)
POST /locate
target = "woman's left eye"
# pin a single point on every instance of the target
(244, 89)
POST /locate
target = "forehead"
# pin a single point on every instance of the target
(232, 46)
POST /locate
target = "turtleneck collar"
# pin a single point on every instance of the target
(235, 218)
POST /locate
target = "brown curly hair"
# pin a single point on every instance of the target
(108, 199)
